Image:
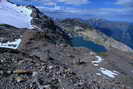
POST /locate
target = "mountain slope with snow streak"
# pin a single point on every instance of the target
(18, 16)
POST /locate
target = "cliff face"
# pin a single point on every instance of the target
(44, 59)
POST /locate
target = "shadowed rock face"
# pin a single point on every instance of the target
(43, 23)
(41, 20)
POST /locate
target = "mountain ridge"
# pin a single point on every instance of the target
(120, 31)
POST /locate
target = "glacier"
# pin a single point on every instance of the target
(17, 16)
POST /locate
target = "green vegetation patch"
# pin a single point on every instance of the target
(103, 54)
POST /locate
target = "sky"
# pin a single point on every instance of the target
(116, 10)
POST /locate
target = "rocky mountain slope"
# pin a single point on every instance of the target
(121, 31)
(45, 59)
(40, 64)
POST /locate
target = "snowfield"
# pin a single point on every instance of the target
(18, 16)
(104, 71)
(108, 73)
(13, 45)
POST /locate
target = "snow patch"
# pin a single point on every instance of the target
(109, 73)
(98, 74)
(13, 45)
(18, 16)
(99, 60)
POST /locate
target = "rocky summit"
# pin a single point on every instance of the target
(42, 57)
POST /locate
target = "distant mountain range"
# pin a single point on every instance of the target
(121, 31)
(103, 32)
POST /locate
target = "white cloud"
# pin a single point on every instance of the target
(74, 2)
(52, 2)
(54, 8)
(128, 3)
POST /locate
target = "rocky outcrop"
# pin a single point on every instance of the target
(40, 20)
(43, 23)
(10, 33)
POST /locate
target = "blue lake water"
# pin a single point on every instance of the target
(81, 42)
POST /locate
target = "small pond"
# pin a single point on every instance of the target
(81, 42)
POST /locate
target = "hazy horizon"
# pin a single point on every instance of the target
(114, 10)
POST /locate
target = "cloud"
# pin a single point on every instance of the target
(128, 3)
(74, 2)
(52, 2)
(107, 12)
(120, 14)
(43, 2)
(60, 8)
